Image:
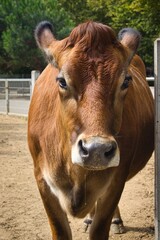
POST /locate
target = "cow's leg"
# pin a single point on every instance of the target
(88, 220)
(57, 218)
(117, 226)
(106, 206)
(101, 222)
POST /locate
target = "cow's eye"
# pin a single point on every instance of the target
(62, 82)
(126, 82)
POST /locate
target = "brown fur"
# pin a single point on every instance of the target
(94, 65)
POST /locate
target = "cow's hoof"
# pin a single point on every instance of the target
(87, 223)
(117, 226)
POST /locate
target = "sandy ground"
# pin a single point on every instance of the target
(22, 215)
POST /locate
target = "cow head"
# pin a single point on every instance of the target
(93, 82)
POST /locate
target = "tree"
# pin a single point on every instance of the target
(78, 10)
(17, 36)
(18, 19)
(140, 14)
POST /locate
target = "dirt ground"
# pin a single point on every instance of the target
(22, 216)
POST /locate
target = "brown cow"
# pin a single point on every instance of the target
(91, 124)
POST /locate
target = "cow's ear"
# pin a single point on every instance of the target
(45, 37)
(130, 38)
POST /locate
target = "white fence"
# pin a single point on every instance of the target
(15, 94)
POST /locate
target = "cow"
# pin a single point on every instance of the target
(90, 124)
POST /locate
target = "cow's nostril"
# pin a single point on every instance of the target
(110, 149)
(83, 150)
(109, 153)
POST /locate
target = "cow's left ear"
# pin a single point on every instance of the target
(130, 38)
(46, 41)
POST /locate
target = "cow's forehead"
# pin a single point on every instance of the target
(92, 52)
(80, 66)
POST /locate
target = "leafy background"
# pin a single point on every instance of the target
(18, 19)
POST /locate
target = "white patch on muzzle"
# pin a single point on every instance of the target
(96, 163)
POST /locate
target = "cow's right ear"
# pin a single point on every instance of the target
(45, 38)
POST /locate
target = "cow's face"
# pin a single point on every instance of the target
(93, 82)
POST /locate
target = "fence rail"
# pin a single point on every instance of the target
(15, 94)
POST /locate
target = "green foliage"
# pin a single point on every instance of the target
(17, 37)
(78, 10)
(18, 20)
(140, 14)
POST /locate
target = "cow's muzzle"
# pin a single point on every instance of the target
(95, 153)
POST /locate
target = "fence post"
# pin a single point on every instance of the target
(157, 137)
(34, 76)
(7, 96)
